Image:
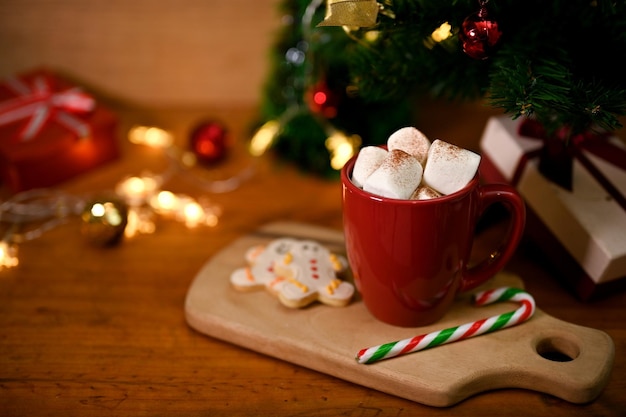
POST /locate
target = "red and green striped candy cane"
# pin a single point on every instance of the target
(464, 331)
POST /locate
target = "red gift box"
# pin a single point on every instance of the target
(50, 131)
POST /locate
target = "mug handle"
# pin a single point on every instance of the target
(507, 195)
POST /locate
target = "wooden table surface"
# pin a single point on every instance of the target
(86, 330)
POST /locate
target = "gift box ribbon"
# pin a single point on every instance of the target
(595, 144)
(39, 104)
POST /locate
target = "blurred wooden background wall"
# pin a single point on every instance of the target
(149, 52)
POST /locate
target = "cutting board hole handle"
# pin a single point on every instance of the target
(557, 349)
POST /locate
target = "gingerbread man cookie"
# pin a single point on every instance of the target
(310, 272)
(299, 272)
(260, 270)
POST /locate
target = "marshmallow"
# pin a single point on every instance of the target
(397, 176)
(411, 141)
(449, 168)
(424, 193)
(369, 158)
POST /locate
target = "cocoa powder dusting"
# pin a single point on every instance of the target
(451, 151)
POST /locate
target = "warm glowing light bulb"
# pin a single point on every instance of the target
(139, 221)
(151, 136)
(97, 210)
(132, 228)
(442, 33)
(165, 201)
(111, 214)
(341, 148)
(136, 134)
(263, 138)
(135, 186)
(342, 154)
(158, 138)
(193, 214)
(8, 255)
(137, 190)
(372, 35)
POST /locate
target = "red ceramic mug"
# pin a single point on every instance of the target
(410, 258)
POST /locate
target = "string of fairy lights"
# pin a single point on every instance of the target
(130, 210)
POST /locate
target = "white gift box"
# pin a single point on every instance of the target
(587, 222)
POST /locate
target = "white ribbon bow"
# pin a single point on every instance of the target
(39, 104)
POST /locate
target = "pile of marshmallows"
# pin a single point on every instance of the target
(412, 168)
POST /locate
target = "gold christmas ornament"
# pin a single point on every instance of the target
(104, 221)
(354, 13)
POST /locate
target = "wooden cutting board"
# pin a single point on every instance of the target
(543, 354)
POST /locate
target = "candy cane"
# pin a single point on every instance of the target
(464, 331)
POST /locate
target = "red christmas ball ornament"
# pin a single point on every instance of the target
(209, 142)
(479, 35)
